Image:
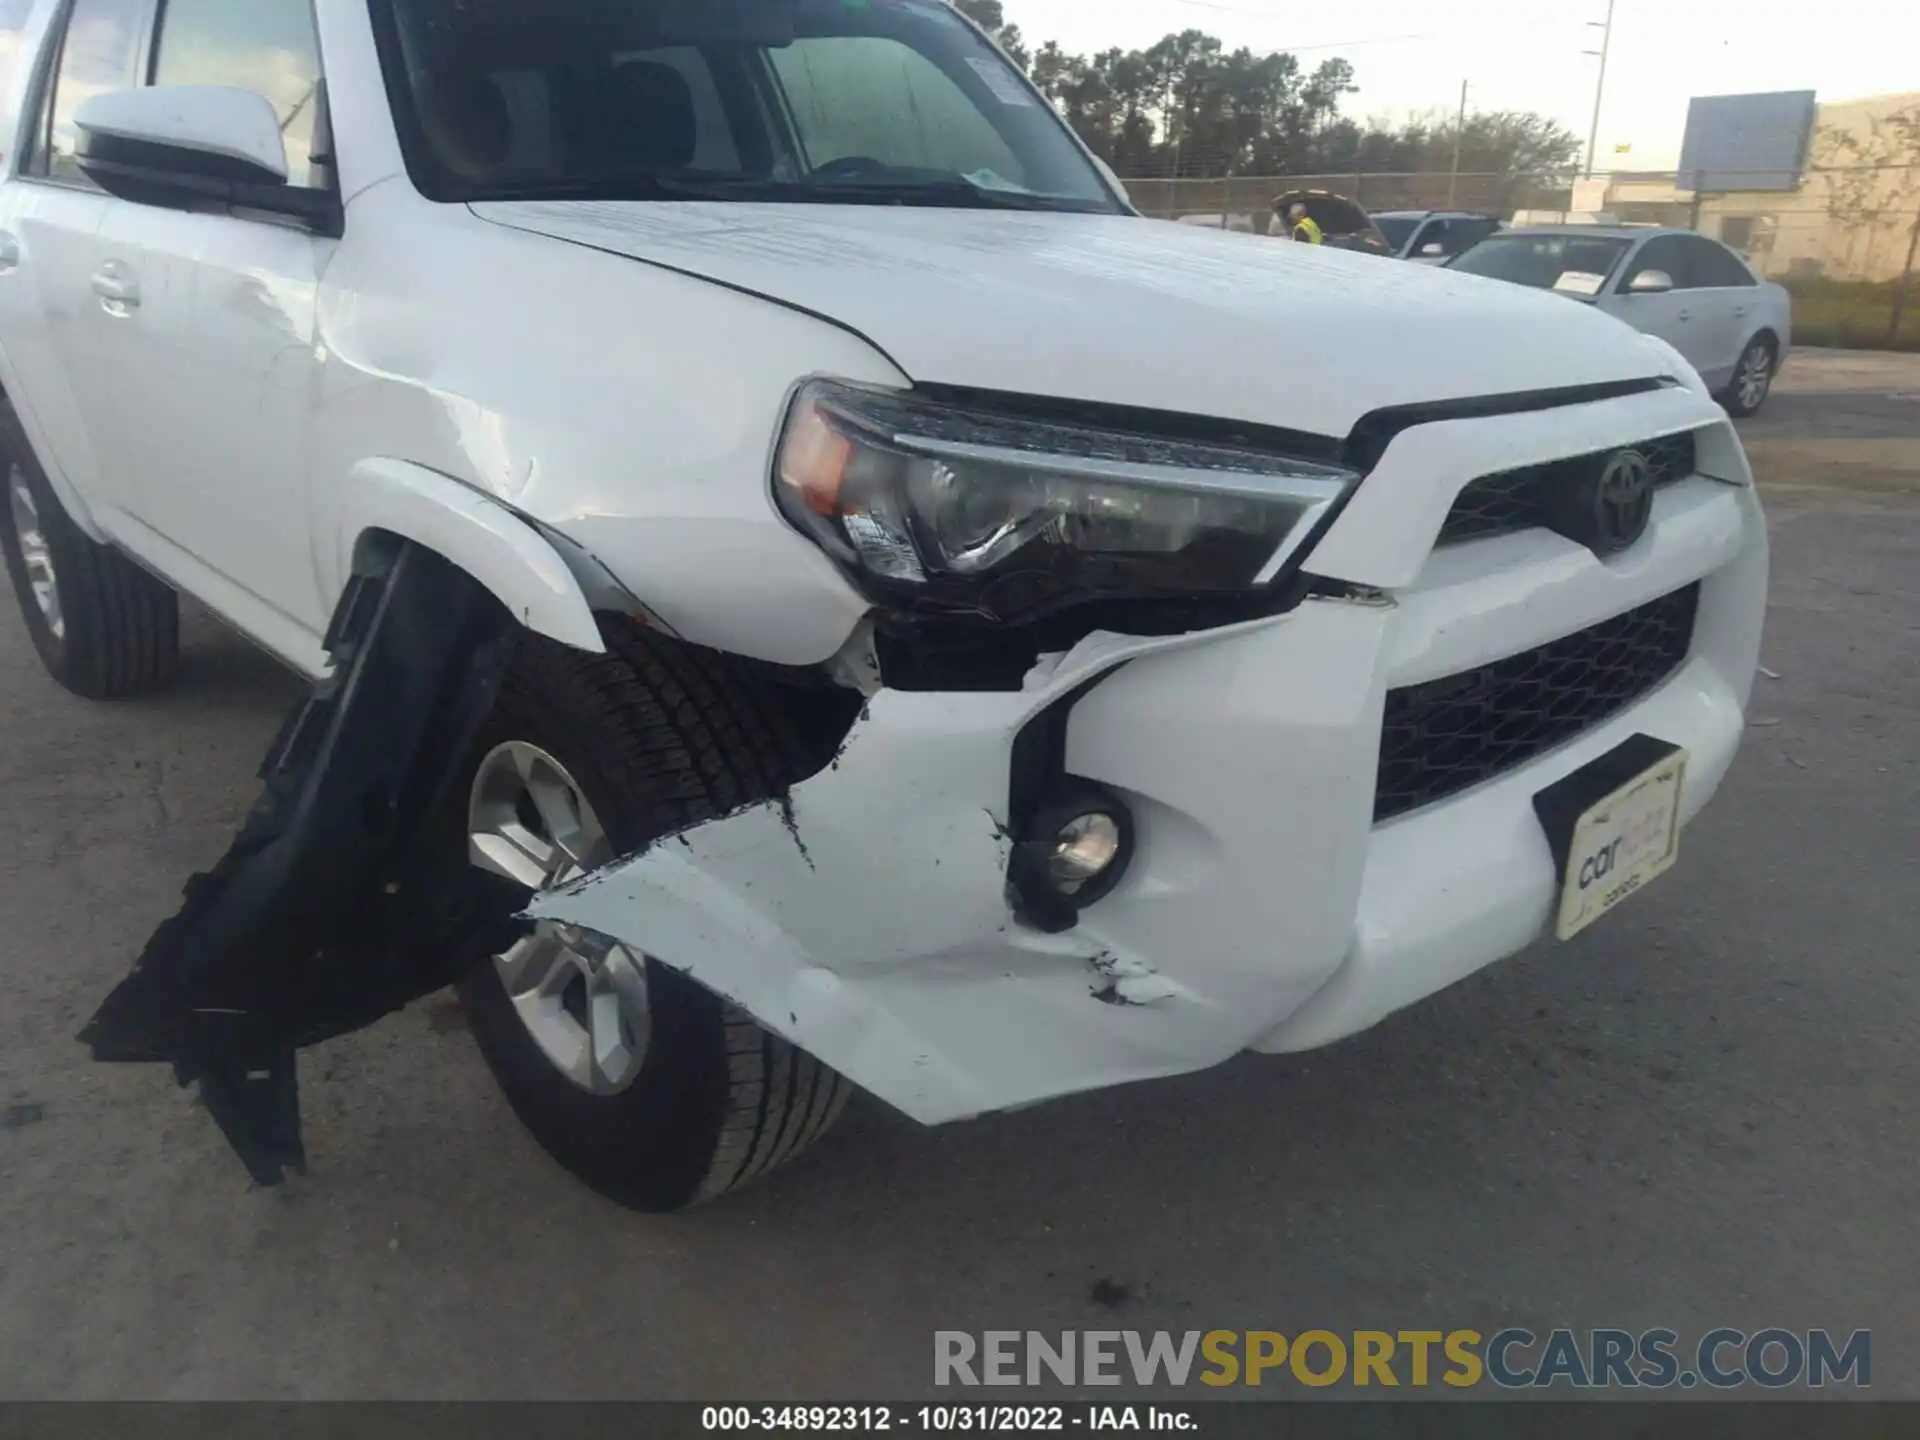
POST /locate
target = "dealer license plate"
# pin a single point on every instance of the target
(1620, 844)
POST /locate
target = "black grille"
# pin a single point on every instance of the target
(1518, 499)
(1447, 735)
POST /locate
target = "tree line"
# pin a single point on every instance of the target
(1189, 107)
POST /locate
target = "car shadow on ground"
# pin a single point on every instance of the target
(221, 670)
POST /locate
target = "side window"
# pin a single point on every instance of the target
(1434, 232)
(530, 121)
(13, 19)
(713, 146)
(876, 99)
(1661, 253)
(1453, 236)
(1716, 267)
(100, 54)
(654, 109)
(1468, 233)
(266, 46)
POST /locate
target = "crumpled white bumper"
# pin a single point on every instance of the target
(867, 919)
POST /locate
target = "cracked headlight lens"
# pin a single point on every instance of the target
(938, 507)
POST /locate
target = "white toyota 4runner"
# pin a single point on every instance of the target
(806, 589)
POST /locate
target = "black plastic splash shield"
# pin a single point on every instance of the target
(347, 894)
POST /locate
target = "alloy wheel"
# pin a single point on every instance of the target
(582, 996)
(1756, 374)
(32, 542)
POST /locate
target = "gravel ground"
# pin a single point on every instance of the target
(1701, 1113)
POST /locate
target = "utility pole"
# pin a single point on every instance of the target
(1459, 133)
(1599, 85)
(1900, 290)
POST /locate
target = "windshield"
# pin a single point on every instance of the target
(1571, 264)
(818, 101)
(1397, 228)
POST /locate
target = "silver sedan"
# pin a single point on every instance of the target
(1693, 292)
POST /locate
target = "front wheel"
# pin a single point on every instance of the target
(1752, 379)
(103, 627)
(650, 1088)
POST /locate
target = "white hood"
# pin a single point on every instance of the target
(1124, 311)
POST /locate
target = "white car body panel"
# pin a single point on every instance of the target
(1109, 310)
(511, 381)
(222, 324)
(479, 535)
(49, 234)
(27, 341)
(1710, 326)
(1386, 533)
(482, 354)
(1265, 909)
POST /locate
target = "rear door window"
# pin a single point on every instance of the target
(13, 20)
(102, 52)
(1715, 267)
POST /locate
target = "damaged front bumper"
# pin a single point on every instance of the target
(867, 917)
(872, 915)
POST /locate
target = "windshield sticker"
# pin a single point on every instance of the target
(1580, 282)
(1005, 86)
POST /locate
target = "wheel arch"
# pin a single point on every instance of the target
(71, 500)
(493, 544)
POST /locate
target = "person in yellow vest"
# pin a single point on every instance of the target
(1301, 226)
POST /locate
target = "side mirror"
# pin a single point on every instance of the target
(1433, 247)
(1650, 282)
(196, 147)
(192, 135)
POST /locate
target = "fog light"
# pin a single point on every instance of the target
(1084, 849)
(1075, 853)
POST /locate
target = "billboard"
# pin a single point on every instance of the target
(1747, 142)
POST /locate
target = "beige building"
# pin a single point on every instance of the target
(1851, 218)
(1853, 215)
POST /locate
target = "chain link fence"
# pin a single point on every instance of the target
(1845, 240)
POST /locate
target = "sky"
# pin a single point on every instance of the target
(1411, 55)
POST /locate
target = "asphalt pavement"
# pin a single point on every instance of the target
(1701, 1113)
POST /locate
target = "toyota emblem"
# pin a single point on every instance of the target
(1622, 502)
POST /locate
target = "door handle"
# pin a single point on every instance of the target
(115, 285)
(10, 256)
(1686, 314)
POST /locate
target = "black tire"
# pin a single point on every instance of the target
(120, 632)
(1732, 401)
(658, 736)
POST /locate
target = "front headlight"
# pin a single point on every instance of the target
(933, 506)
